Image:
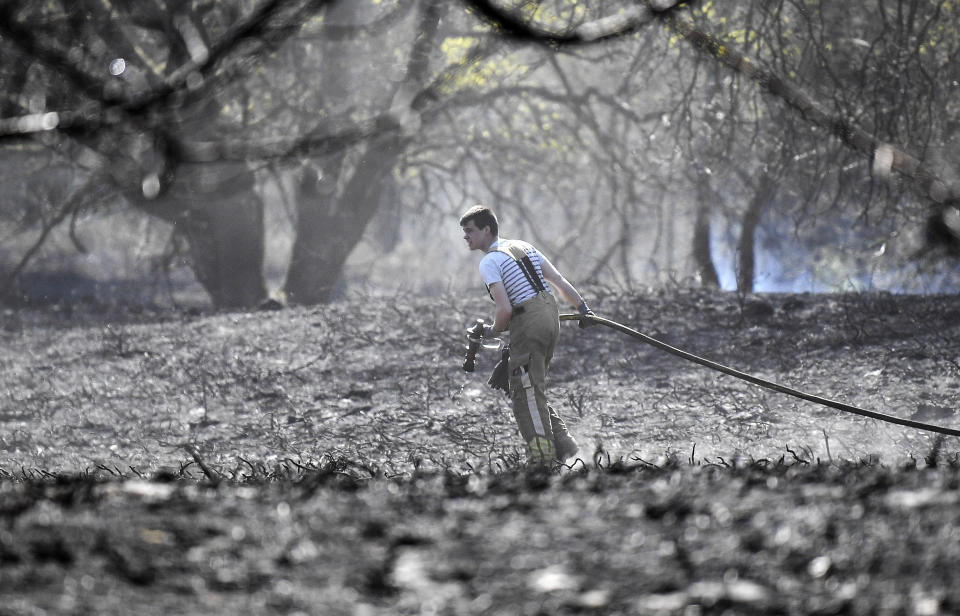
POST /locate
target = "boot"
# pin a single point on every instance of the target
(566, 447)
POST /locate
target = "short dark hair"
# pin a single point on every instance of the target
(482, 216)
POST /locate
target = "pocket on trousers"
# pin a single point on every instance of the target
(518, 362)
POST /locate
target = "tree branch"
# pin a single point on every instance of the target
(508, 25)
(925, 179)
(893, 157)
(110, 110)
(94, 188)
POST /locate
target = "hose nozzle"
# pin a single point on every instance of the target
(474, 342)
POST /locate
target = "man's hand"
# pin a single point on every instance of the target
(585, 311)
(500, 378)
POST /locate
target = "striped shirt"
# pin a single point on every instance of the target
(497, 266)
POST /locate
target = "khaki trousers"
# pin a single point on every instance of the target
(534, 328)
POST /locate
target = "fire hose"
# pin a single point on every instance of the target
(848, 408)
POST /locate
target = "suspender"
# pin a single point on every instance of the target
(526, 267)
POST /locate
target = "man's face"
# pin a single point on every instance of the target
(477, 239)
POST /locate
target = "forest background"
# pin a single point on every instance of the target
(301, 149)
(677, 161)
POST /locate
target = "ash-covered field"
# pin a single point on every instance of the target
(337, 460)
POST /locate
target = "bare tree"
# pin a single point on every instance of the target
(332, 218)
(608, 128)
(878, 107)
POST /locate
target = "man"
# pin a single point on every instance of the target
(516, 274)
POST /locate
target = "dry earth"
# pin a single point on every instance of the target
(336, 460)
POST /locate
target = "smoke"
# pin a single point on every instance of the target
(851, 260)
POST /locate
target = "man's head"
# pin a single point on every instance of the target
(480, 227)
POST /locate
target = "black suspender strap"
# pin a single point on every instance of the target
(526, 266)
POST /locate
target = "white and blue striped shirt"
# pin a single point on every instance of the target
(497, 266)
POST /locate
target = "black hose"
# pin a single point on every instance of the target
(757, 380)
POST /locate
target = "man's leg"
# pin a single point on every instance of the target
(565, 446)
(530, 409)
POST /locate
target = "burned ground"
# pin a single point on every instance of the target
(336, 460)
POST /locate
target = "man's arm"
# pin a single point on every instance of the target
(561, 284)
(503, 308)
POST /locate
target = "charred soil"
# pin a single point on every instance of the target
(337, 460)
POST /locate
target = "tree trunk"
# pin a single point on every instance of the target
(701, 236)
(223, 222)
(746, 249)
(213, 204)
(701, 248)
(329, 226)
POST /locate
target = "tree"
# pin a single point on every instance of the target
(616, 133)
(175, 144)
(791, 50)
(332, 219)
(846, 100)
(152, 124)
